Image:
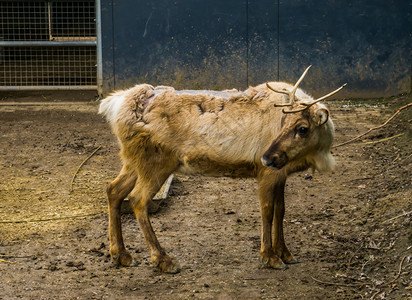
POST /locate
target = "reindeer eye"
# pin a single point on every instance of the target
(302, 130)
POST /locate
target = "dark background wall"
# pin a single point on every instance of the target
(219, 44)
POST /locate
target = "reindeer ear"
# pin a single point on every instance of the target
(321, 116)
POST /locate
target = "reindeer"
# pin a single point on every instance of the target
(215, 133)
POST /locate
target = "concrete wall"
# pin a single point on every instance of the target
(219, 44)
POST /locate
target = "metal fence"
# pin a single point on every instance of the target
(50, 45)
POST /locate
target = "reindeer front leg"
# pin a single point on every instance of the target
(269, 184)
(273, 251)
(279, 246)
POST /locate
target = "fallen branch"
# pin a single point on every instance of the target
(385, 139)
(366, 283)
(376, 294)
(81, 165)
(50, 219)
(9, 262)
(397, 275)
(390, 282)
(338, 284)
(404, 214)
(375, 128)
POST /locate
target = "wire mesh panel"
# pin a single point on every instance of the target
(73, 21)
(23, 21)
(45, 44)
(48, 66)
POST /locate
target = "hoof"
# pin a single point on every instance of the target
(290, 260)
(274, 262)
(287, 257)
(173, 268)
(123, 258)
(166, 264)
(293, 261)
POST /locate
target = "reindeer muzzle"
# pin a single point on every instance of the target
(274, 161)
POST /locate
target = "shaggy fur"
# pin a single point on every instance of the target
(228, 133)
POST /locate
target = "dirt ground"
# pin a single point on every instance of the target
(350, 230)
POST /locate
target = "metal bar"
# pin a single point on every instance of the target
(49, 16)
(47, 87)
(99, 49)
(45, 43)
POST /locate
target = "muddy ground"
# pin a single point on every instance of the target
(350, 230)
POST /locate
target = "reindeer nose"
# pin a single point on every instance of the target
(270, 162)
(265, 161)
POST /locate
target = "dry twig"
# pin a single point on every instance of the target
(81, 165)
(397, 275)
(385, 139)
(390, 282)
(338, 284)
(374, 128)
(9, 262)
(362, 284)
(50, 219)
(404, 214)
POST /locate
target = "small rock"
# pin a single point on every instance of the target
(70, 264)
(308, 177)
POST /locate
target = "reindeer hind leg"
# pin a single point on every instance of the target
(117, 190)
(140, 198)
(153, 168)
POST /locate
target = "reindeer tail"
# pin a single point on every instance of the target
(123, 106)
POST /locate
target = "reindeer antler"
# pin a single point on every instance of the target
(307, 105)
(291, 95)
